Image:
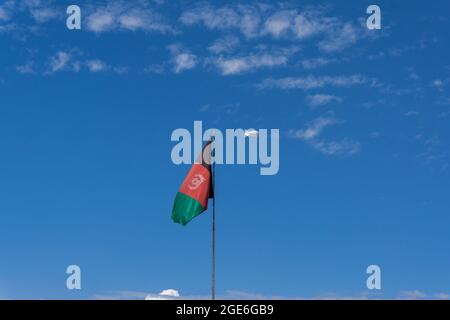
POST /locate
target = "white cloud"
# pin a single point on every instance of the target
(96, 65)
(442, 296)
(277, 21)
(245, 18)
(121, 69)
(322, 99)
(341, 38)
(154, 69)
(309, 23)
(237, 65)
(437, 83)
(170, 293)
(124, 15)
(224, 45)
(205, 107)
(26, 68)
(70, 61)
(59, 62)
(342, 147)
(5, 12)
(314, 63)
(184, 61)
(42, 15)
(314, 128)
(411, 114)
(41, 11)
(411, 295)
(100, 21)
(313, 82)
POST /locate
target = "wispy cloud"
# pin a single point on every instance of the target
(313, 82)
(27, 68)
(97, 65)
(411, 113)
(437, 83)
(246, 18)
(277, 21)
(155, 68)
(59, 62)
(127, 16)
(442, 296)
(5, 11)
(312, 132)
(70, 61)
(224, 45)
(411, 295)
(317, 100)
(182, 59)
(314, 128)
(41, 12)
(238, 65)
(342, 147)
(314, 63)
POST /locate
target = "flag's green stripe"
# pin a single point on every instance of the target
(185, 209)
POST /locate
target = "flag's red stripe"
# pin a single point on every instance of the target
(197, 184)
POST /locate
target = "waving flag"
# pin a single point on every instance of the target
(192, 197)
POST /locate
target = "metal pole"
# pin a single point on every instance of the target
(213, 283)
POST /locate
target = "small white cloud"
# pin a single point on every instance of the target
(314, 128)
(5, 13)
(442, 296)
(313, 82)
(154, 69)
(205, 108)
(317, 100)
(42, 15)
(100, 21)
(308, 24)
(437, 83)
(121, 69)
(212, 18)
(170, 293)
(411, 295)
(224, 45)
(340, 39)
(314, 63)
(411, 114)
(375, 135)
(279, 23)
(96, 65)
(241, 64)
(26, 68)
(125, 16)
(184, 61)
(59, 62)
(342, 147)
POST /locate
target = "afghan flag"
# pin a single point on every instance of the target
(192, 198)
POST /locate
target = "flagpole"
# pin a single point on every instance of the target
(213, 282)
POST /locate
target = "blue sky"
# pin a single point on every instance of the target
(86, 176)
